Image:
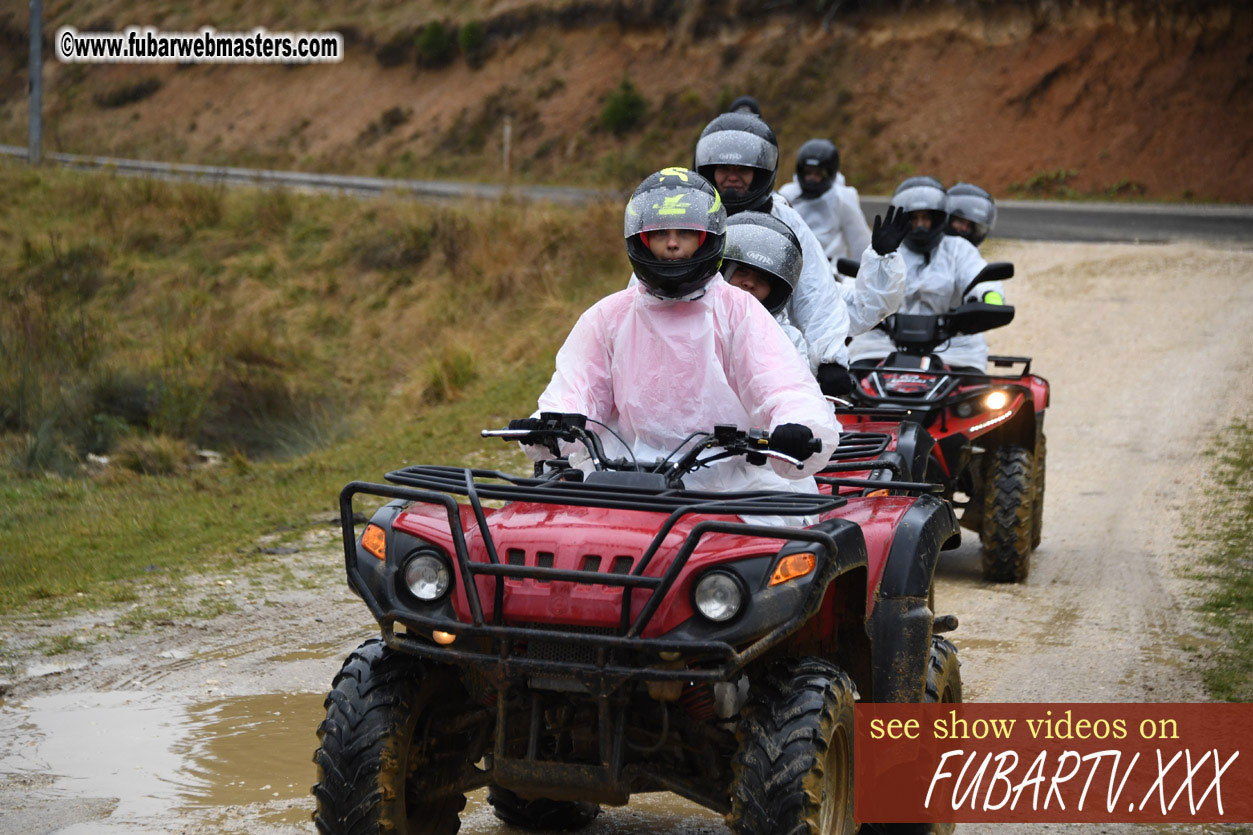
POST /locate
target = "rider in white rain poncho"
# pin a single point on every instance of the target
(939, 267)
(738, 153)
(763, 258)
(681, 351)
(830, 207)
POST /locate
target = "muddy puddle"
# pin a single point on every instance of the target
(134, 761)
(156, 757)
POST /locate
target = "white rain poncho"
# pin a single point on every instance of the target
(835, 218)
(656, 370)
(815, 306)
(936, 287)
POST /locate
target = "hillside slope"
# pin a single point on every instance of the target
(1114, 100)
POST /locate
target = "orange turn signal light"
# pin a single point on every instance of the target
(793, 566)
(875, 493)
(374, 540)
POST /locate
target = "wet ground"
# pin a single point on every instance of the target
(188, 725)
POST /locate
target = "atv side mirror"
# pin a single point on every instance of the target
(847, 266)
(977, 317)
(996, 271)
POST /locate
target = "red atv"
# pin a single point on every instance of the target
(571, 639)
(988, 428)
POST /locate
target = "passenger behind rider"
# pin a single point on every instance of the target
(763, 257)
(971, 212)
(939, 267)
(831, 208)
(682, 351)
(739, 154)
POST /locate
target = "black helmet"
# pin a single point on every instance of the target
(675, 198)
(745, 104)
(971, 203)
(768, 245)
(820, 153)
(927, 195)
(740, 139)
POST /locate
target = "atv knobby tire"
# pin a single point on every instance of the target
(541, 813)
(1005, 529)
(1037, 504)
(793, 773)
(944, 677)
(944, 684)
(377, 772)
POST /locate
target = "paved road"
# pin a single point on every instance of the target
(1019, 219)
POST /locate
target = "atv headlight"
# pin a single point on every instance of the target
(719, 596)
(996, 400)
(427, 576)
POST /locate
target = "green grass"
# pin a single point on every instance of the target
(1223, 532)
(311, 340)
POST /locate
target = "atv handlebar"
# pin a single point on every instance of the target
(753, 444)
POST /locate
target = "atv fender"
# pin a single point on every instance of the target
(900, 625)
(914, 444)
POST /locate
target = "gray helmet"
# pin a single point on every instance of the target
(969, 202)
(675, 198)
(922, 194)
(745, 104)
(768, 245)
(740, 139)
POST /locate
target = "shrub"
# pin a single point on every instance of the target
(449, 373)
(435, 45)
(128, 93)
(396, 51)
(472, 39)
(624, 108)
(155, 455)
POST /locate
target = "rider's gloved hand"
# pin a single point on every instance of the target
(792, 439)
(889, 231)
(835, 380)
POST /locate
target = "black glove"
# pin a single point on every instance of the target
(889, 231)
(793, 439)
(835, 380)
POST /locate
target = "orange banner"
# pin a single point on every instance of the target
(1061, 763)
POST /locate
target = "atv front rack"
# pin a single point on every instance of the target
(437, 485)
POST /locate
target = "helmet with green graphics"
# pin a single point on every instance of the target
(675, 198)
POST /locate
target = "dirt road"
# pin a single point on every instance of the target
(208, 726)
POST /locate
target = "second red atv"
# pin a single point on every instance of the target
(573, 638)
(988, 428)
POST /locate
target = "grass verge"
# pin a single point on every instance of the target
(1224, 535)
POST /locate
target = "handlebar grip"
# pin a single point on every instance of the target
(815, 446)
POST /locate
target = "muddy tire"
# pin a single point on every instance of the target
(1037, 503)
(793, 772)
(1005, 530)
(541, 813)
(377, 773)
(944, 675)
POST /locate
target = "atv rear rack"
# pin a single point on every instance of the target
(437, 485)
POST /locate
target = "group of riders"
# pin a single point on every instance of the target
(735, 313)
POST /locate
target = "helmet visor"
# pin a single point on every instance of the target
(919, 198)
(972, 207)
(736, 147)
(674, 208)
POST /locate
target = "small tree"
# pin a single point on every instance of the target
(435, 45)
(472, 38)
(624, 108)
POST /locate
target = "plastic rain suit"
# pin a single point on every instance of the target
(656, 370)
(936, 286)
(835, 218)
